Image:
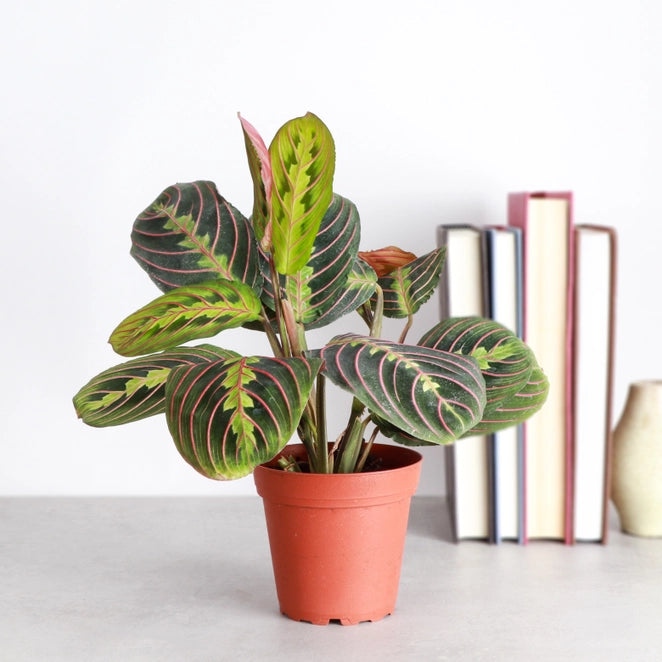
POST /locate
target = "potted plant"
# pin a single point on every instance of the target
(293, 266)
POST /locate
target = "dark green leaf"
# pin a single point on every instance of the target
(136, 389)
(190, 234)
(432, 395)
(506, 363)
(229, 416)
(518, 407)
(359, 287)
(334, 282)
(317, 287)
(407, 288)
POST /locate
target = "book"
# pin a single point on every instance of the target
(595, 292)
(545, 219)
(503, 251)
(463, 292)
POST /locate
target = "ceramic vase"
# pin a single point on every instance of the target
(637, 461)
(337, 540)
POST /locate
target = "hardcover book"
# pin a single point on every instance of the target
(545, 219)
(463, 292)
(504, 268)
(595, 296)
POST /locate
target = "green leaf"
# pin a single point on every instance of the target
(508, 366)
(229, 416)
(432, 395)
(190, 234)
(334, 282)
(517, 408)
(302, 161)
(398, 435)
(136, 389)
(315, 288)
(184, 314)
(359, 287)
(407, 288)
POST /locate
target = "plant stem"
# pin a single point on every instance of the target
(405, 330)
(278, 308)
(293, 343)
(366, 451)
(296, 340)
(350, 445)
(322, 453)
(289, 464)
(378, 315)
(365, 311)
(276, 347)
(308, 434)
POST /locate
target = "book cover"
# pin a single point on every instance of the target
(595, 313)
(463, 292)
(545, 219)
(504, 268)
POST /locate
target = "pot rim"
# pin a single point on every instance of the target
(342, 490)
(405, 457)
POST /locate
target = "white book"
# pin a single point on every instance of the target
(463, 293)
(595, 261)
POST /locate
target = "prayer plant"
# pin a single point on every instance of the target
(293, 266)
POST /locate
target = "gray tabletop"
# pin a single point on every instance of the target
(189, 579)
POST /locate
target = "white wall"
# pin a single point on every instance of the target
(438, 110)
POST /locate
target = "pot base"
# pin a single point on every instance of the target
(318, 620)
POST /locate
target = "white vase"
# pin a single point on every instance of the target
(637, 461)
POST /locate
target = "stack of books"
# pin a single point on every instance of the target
(552, 282)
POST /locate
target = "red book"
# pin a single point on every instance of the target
(547, 235)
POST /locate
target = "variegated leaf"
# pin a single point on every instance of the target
(229, 416)
(432, 395)
(516, 385)
(407, 288)
(334, 282)
(190, 234)
(518, 407)
(359, 287)
(184, 314)
(504, 359)
(302, 161)
(317, 287)
(398, 435)
(136, 389)
(259, 164)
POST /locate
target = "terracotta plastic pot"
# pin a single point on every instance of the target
(337, 539)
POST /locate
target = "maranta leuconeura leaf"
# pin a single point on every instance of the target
(430, 394)
(190, 234)
(229, 416)
(135, 389)
(515, 385)
(302, 164)
(184, 314)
